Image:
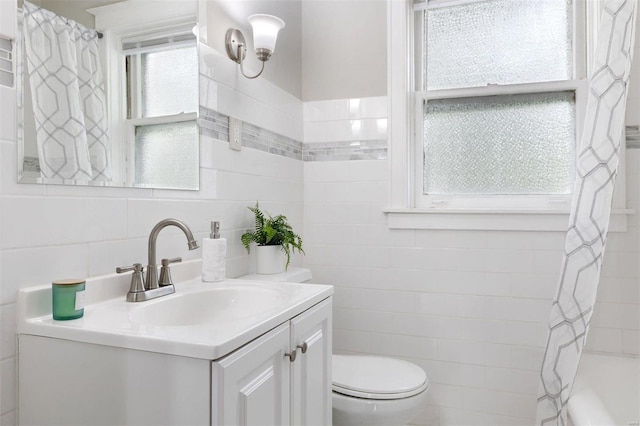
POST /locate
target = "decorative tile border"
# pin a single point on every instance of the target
(633, 137)
(31, 164)
(6, 62)
(267, 141)
(216, 125)
(213, 124)
(346, 151)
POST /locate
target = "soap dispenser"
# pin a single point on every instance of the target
(214, 254)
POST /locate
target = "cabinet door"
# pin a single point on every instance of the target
(251, 385)
(311, 371)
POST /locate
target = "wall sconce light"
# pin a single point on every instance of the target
(265, 34)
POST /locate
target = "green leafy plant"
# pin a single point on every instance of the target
(272, 231)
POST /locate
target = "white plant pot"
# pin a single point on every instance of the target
(270, 260)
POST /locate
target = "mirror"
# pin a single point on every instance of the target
(108, 93)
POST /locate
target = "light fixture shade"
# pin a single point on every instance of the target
(265, 31)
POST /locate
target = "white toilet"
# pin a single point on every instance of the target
(368, 390)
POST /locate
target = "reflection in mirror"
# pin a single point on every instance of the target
(108, 95)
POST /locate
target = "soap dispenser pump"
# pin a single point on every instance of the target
(214, 254)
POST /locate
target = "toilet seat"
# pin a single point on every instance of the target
(374, 377)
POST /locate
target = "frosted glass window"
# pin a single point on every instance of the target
(499, 42)
(517, 144)
(169, 82)
(167, 155)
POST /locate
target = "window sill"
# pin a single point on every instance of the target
(492, 219)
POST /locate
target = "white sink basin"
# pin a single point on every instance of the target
(200, 320)
(218, 305)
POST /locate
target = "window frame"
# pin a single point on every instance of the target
(121, 21)
(577, 85)
(549, 213)
(131, 88)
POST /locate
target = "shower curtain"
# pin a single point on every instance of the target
(68, 95)
(596, 167)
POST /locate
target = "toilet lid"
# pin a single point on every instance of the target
(376, 377)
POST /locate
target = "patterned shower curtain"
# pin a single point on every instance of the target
(68, 96)
(597, 164)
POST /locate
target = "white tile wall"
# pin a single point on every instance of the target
(8, 385)
(51, 232)
(258, 101)
(345, 120)
(471, 307)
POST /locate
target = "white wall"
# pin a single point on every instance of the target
(471, 307)
(284, 67)
(329, 49)
(344, 49)
(52, 232)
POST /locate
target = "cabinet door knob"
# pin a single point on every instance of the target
(303, 347)
(292, 354)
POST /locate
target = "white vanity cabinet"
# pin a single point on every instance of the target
(264, 383)
(209, 354)
(83, 383)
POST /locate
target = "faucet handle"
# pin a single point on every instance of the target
(165, 271)
(136, 267)
(166, 262)
(137, 279)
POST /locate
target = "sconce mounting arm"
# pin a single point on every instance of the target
(235, 44)
(240, 47)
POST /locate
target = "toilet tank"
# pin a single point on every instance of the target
(292, 275)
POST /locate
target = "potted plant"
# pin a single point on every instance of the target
(275, 239)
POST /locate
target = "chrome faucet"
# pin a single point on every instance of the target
(151, 289)
(152, 268)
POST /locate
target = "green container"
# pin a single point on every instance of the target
(68, 299)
